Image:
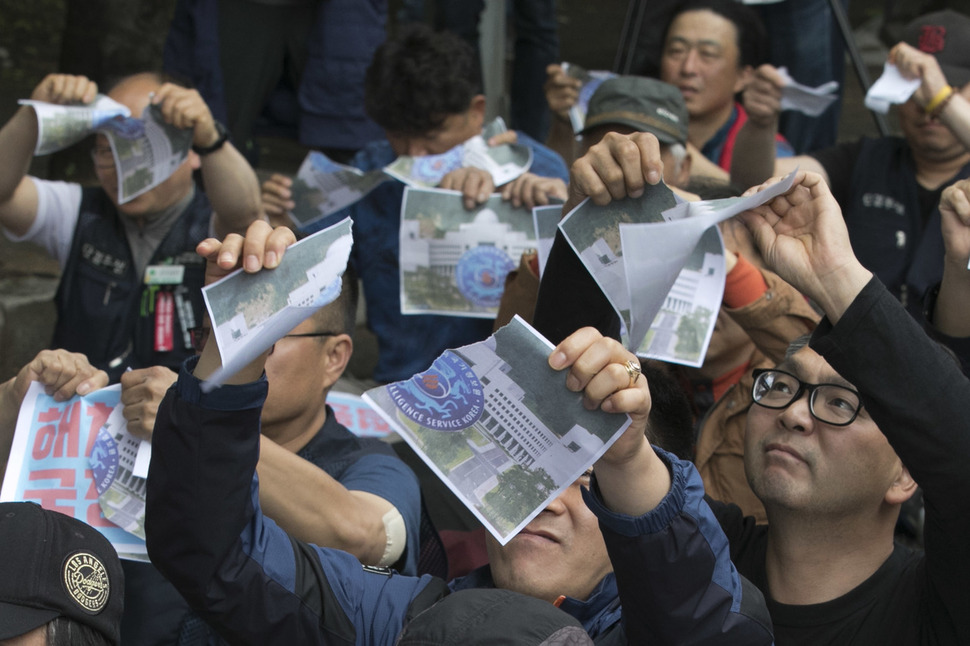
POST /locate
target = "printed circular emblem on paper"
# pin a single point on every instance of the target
(481, 273)
(430, 169)
(446, 397)
(86, 581)
(104, 460)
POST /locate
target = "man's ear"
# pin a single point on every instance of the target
(902, 488)
(476, 108)
(744, 77)
(338, 352)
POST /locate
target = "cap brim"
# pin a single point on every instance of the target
(662, 137)
(17, 620)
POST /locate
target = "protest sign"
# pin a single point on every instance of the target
(357, 415)
(49, 460)
(322, 186)
(60, 126)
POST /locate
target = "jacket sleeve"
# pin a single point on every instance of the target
(545, 161)
(918, 396)
(674, 572)
(777, 318)
(237, 569)
(569, 297)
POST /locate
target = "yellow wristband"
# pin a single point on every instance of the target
(945, 93)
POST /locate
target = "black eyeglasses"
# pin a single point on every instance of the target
(199, 335)
(830, 403)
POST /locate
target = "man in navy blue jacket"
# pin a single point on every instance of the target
(425, 90)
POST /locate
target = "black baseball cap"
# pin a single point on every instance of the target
(56, 566)
(645, 104)
(946, 35)
(492, 616)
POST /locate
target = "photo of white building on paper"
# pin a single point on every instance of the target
(682, 329)
(498, 426)
(454, 261)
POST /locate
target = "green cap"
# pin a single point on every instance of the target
(646, 104)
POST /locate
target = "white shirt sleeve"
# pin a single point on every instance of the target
(58, 206)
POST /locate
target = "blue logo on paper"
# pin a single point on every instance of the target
(446, 397)
(431, 169)
(104, 460)
(481, 273)
(128, 128)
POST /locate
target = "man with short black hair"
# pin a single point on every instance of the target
(710, 50)
(61, 582)
(425, 90)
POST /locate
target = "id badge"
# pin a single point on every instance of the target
(164, 274)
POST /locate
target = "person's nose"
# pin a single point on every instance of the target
(689, 65)
(556, 505)
(797, 417)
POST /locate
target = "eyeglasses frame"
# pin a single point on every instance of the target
(804, 387)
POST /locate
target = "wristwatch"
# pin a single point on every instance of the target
(217, 144)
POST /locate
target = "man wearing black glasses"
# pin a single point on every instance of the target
(317, 480)
(841, 431)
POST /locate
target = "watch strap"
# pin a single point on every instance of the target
(217, 144)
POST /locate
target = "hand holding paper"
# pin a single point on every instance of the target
(805, 99)
(185, 109)
(632, 478)
(589, 82)
(65, 89)
(920, 68)
(62, 375)
(803, 238)
(141, 393)
(618, 166)
(503, 423)
(891, 87)
(251, 309)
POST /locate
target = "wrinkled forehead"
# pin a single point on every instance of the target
(809, 366)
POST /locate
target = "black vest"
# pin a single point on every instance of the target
(886, 226)
(105, 310)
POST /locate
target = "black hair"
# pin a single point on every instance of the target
(752, 36)
(418, 78)
(64, 631)
(711, 188)
(341, 315)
